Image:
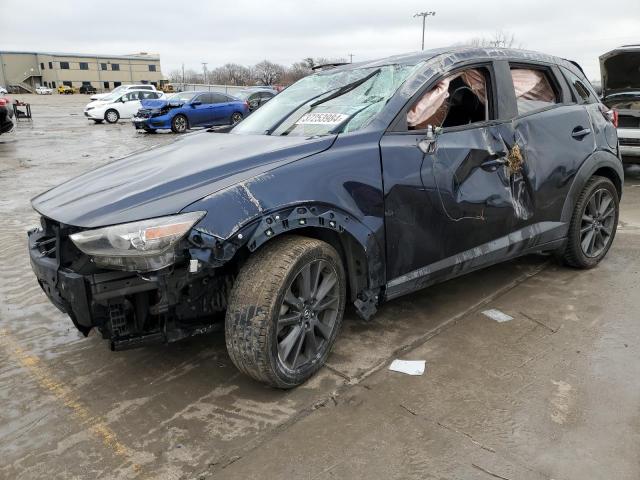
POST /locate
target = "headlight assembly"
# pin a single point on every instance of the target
(143, 246)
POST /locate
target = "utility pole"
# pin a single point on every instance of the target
(424, 16)
(204, 71)
(351, 58)
(183, 75)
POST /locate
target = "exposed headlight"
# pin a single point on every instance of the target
(143, 246)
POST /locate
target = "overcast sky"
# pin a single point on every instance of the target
(285, 31)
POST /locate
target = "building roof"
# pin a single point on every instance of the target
(133, 56)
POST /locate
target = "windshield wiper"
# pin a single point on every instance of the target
(346, 89)
(338, 92)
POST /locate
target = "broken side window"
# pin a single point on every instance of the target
(458, 99)
(534, 90)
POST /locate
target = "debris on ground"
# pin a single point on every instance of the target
(410, 367)
(497, 315)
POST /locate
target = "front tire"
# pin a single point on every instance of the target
(593, 224)
(111, 115)
(285, 311)
(179, 124)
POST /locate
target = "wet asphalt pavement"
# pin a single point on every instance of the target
(552, 394)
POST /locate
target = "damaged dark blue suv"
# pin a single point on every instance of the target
(356, 184)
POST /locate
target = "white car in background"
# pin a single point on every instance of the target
(44, 91)
(122, 89)
(118, 105)
(3, 91)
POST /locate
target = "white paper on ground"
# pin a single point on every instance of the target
(410, 367)
(497, 315)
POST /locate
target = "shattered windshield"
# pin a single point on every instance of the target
(327, 102)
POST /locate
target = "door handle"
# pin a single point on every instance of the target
(580, 132)
(493, 164)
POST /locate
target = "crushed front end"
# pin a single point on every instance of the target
(130, 308)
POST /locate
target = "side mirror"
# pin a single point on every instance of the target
(195, 103)
(428, 143)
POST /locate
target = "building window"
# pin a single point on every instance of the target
(53, 84)
(152, 68)
(84, 66)
(68, 84)
(64, 66)
(116, 84)
(42, 66)
(103, 66)
(115, 66)
(106, 84)
(50, 65)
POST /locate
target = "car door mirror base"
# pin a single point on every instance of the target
(428, 143)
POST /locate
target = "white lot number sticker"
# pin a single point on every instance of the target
(322, 119)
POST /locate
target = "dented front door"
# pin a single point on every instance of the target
(440, 204)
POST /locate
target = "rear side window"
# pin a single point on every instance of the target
(581, 91)
(218, 98)
(534, 89)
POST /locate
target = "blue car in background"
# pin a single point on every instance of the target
(185, 110)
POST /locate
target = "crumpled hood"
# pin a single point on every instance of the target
(620, 70)
(164, 180)
(155, 104)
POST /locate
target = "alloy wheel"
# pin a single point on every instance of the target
(597, 226)
(235, 118)
(112, 116)
(308, 314)
(181, 124)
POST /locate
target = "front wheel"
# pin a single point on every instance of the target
(179, 124)
(111, 116)
(593, 224)
(285, 310)
(235, 118)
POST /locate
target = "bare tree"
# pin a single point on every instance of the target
(499, 38)
(267, 73)
(231, 74)
(296, 71)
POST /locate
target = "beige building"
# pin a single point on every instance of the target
(28, 70)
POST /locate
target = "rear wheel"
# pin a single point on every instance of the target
(235, 118)
(179, 124)
(593, 224)
(111, 115)
(285, 311)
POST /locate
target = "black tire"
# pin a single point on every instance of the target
(179, 124)
(98, 121)
(111, 116)
(236, 117)
(269, 330)
(591, 231)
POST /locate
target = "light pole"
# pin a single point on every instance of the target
(204, 71)
(424, 16)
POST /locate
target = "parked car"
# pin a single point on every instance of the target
(118, 105)
(620, 71)
(123, 89)
(255, 97)
(185, 110)
(357, 184)
(88, 89)
(44, 90)
(65, 90)
(3, 91)
(6, 115)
